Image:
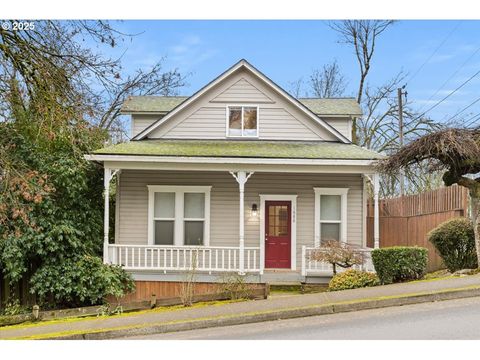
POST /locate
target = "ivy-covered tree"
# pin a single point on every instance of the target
(54, 102)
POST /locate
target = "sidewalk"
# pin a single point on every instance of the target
(161, 320)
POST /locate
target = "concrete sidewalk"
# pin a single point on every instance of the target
(162, 320)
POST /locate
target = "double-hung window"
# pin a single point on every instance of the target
(178, 215)
(242, 121)
(330, 214)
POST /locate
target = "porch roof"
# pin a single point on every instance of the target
(242, 149)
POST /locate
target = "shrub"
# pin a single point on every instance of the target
(400, 263)
(455, 242)
(235, 286)
(352, 279)
(86, 281)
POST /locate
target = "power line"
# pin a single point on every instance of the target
(472, 120)
(448, 95)
(434, 52)
(451, 76)
(465, 108)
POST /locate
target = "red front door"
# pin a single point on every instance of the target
(278, 234)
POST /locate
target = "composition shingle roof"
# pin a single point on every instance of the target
(163, 104)
(244, 148)
(332, 106)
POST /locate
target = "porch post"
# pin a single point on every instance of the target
(107, 174)
(376, 223)
(107, 177)
(241, 177)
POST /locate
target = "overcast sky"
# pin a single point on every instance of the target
(430, 52)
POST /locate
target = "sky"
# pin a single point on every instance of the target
(429, 52)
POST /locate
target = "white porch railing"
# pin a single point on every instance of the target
(183, 258)
(318, 268)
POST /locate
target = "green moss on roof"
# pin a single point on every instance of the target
(332, 106)
(247, 148)
(151, 103)
(162, 104)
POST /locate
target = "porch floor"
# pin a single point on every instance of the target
(287, 277)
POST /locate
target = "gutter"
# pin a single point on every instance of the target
(228, 160)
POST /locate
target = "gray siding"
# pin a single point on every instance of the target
(206, 122)
(141, 122)
(133, 198)
(209, 122)
(206, 118)
(343, 125)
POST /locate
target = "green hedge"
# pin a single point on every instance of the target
(352, 279)
(400, 263)
(455, 242)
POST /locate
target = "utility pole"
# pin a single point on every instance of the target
(400, 93)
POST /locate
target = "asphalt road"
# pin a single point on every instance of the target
(453, 319)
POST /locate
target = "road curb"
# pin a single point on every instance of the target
(289, 313)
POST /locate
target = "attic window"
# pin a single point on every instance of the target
(242, 121)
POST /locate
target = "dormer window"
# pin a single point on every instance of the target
(242, 121)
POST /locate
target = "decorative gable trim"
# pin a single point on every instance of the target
(242, 63)
(260, 97)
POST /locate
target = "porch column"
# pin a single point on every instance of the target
(241, 177)
(376, 223)
(107, 177)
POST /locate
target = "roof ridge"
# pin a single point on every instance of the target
(160, 96)
(328, 98)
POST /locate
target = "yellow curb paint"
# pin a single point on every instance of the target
(160, 309)
(220, 317)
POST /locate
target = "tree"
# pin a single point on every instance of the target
(53, 93)
(337, 253)
(362, 35)
(456, 151)
(151, 82)
(328, 82)
(296, 88)
(55, 56)
(378, 130)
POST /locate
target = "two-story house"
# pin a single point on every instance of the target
(239, 177)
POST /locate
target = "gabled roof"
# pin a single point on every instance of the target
(332, 106)
(151, 104)
(164, 104)
(246, 65)
(242, 149)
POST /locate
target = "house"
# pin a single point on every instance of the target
(239, 177)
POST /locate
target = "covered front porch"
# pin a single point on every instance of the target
(229, 192)
(248, 207)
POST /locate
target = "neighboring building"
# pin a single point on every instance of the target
(238, 177)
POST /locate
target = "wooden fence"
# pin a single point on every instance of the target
(406, 221)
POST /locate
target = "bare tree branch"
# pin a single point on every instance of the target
(295, 88)
(328, 82)
(362, 36)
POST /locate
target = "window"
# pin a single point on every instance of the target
(330, 214)
(164, 218)
(242, 121)
(179, 215)
(194, 218)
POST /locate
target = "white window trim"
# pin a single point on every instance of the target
(343, 192)
(179, 211)
(293, 222)
(227, 127)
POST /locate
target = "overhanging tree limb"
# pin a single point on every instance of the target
(455, 150)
